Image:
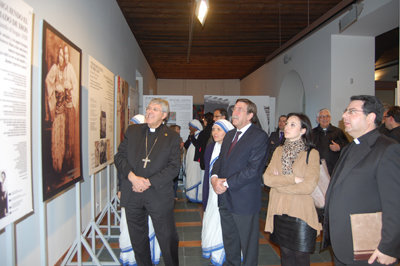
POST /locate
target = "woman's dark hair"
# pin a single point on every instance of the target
(306, 124)
(209, 117)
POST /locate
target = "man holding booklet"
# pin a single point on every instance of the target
(366, 180)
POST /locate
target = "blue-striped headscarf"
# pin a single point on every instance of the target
(224, 124)
(137, 119)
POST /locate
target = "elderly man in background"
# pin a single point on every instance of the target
(329, 140)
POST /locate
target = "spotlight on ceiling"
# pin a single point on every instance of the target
(202, 10)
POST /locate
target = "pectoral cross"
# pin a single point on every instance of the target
(145, 160)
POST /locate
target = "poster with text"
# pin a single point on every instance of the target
(265, 107)
(180, 110)
(15, 111)
(61, 112)
(101, 116)
(134, 100)
(122, 108)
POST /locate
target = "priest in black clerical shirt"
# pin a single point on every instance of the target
(148, 160)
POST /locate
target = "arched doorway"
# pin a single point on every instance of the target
(291, 95)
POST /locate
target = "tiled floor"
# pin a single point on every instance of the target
(188, 217)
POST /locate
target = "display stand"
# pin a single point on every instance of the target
(110, 208)
(93, 230)
(10, 247)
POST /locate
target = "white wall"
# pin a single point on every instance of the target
(353, 70)
(100, 30)
(198, 88)
(310, 58)
(324, 78)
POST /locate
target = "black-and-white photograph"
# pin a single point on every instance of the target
(3, 195)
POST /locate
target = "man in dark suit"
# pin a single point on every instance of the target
(366, 180)
(148, 160)
(276, 138)
(392, 123)
(220, 113)
(236, 177)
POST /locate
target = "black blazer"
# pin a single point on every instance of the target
(243, 168)
(273, 143)
(161, 171)
(366, 181)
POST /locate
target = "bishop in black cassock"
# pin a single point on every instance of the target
(148, 160)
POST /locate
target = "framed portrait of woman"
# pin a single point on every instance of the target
(61, 112)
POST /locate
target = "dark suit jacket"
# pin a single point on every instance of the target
(206, 179)
(394, 134)
(164, 165)
(243, 168)
(273, 143)
(365, 180)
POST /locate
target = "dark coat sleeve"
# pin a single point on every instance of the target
(206, 181)
(121, 158)
(388, 180)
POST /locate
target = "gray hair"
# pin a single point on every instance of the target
(324, 109)
(164, 104)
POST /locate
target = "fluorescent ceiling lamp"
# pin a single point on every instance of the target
(201, 10)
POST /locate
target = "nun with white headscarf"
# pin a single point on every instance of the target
(211, 235)
(127, 255)
(194, 174)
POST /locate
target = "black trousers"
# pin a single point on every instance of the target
(294, 258)
(160, 207)
(240, 233)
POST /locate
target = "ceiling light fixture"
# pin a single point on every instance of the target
(202, 10)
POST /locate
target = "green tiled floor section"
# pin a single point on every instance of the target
(192, 256)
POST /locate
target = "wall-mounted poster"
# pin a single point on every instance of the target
(61, 112)
(265, 107)
(181, 110)
(134, 100)
(15, 111)
(122, 108)
(101, 116)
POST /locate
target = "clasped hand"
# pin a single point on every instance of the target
(218, 185)
(139, 184)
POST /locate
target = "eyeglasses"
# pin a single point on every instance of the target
(324, 116)
(352, 111)
(239, 109)
(155, 109)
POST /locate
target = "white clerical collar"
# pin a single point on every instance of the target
(356, 141)
(152, 129)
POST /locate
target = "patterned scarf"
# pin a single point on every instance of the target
(291, 150)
